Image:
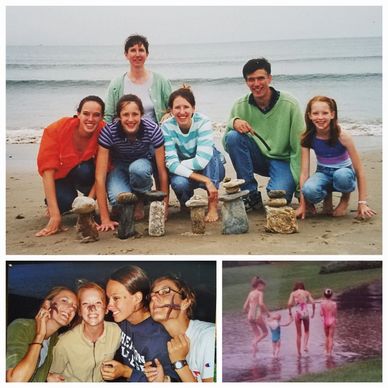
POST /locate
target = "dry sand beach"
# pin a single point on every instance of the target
(319, 235)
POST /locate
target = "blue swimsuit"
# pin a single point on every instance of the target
(275, 334)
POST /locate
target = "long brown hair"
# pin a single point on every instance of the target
(134, 279)
(184, 92)
(335, 129)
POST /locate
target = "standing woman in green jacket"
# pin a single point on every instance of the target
(30, 342)
(150, 87)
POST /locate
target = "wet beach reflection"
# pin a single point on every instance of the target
(358, 336)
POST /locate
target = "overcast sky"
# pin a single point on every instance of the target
(110, 25)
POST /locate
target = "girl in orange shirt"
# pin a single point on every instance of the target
(66, 160)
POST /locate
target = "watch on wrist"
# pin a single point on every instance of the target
(178, 364)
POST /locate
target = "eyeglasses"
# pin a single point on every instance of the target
(164, 291)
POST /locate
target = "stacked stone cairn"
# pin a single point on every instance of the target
(126, 202)
(86, 228)
(197, 205)
(234, 216)
(280, 217)
(156, 219)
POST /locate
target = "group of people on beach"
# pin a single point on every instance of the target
(153, 338)
(260, 318)
(145, 133)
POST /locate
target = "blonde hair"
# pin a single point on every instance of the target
(90, 286)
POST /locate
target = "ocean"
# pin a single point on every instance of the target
(44, 83)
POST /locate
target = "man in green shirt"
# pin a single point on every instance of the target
(263, 135)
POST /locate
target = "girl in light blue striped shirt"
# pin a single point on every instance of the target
(191, 157)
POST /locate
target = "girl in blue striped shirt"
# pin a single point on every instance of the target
(129, 144)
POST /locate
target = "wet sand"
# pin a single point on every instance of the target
(355, 338)
(25, 215)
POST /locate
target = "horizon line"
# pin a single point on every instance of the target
(199, 43)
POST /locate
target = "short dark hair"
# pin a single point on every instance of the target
(298, 286)
(254, 64)
(126, 99)
(184, 92)
(136, 39)
(91, 98)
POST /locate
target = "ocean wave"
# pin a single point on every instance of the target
(60, 66)
(180, 62)
(55, 83)
(200, 80)
(33, 136)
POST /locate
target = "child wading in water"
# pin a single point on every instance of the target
(329, 314)
(275, 325)
(338, 163)
(255, 307)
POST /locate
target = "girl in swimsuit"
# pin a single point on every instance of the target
(255, 307)
(300, 298)
(329, 314)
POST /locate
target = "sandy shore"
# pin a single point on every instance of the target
(319, 235)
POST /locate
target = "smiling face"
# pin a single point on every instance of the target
(122, 303)
(321, 116)
(90, 117)
(259, 84)
(63, 307)
(136, 55)
(92, 306)
(166, 301)
(130, 116)
(183, 111)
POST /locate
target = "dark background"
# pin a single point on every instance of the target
(29, 282)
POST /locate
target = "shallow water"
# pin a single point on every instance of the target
(349, 70)
(358, 336)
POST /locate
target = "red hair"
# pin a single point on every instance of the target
(335, 129)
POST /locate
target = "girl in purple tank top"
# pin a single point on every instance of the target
(338, 163)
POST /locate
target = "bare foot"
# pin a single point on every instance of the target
(212, 213)
(342, 207)
(328, 205)
(139, 210)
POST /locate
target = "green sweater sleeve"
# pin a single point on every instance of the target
(20, 334)
(113, 94)
(297, 127)
(160, 93)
